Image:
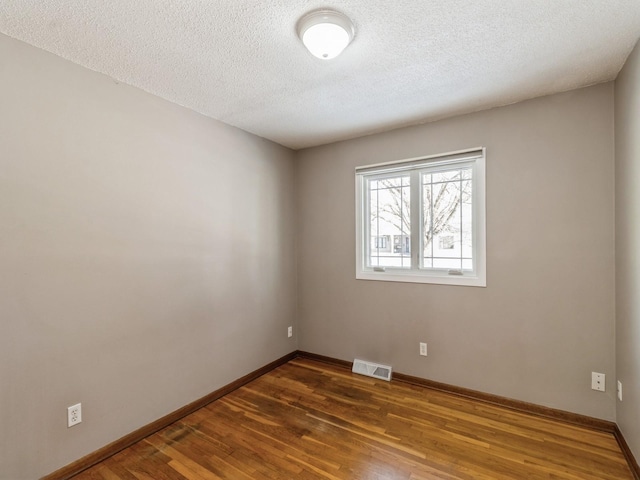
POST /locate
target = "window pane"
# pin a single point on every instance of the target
(427, 251)
(391, 182)
(446, 219)
(447, 214)
(451, 175)
(467, 219)
(390, 220)
(447, 263)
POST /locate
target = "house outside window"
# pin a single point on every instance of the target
(382, 243)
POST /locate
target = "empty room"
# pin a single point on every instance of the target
(348, 240)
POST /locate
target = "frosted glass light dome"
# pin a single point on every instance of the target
(325, 33)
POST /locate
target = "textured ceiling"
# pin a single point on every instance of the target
(240, 61)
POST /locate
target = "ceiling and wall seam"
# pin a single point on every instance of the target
(241, 62)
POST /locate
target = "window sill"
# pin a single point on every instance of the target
(412, 277)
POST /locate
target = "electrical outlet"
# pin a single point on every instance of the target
(619, 390)
(289, 332)
(74, 414)
(597, 381)
(423, 349)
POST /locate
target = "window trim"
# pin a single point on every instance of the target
(475, 156)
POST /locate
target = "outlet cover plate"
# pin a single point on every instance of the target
(619, 390)
(74, 414)
(597, 381)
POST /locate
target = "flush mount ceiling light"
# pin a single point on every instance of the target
(325, 33)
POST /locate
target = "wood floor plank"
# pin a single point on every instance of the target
(310, 420)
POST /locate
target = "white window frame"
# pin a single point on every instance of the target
(416, 274)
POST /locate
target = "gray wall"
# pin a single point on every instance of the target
(545, 320)
(627, 121)
(147, 257)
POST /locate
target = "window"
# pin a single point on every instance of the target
(422, 220)
(382, 243)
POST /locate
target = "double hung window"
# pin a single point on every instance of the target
(422, 220)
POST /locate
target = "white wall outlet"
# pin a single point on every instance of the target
(619, 390)
(74, 414)
(597, 381)
(423, 349)
(289, 332)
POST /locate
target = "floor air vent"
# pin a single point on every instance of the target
(370, 369)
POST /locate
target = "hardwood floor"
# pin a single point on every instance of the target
(310, 420)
